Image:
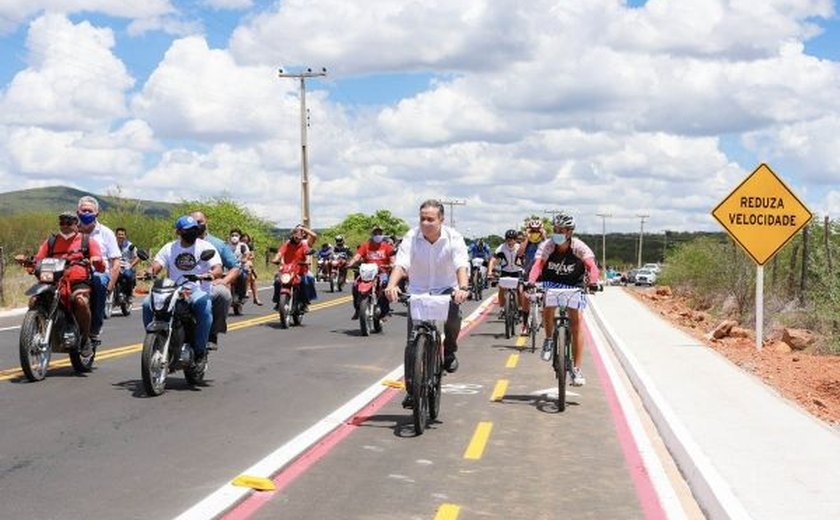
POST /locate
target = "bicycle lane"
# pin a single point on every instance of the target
(500, 450)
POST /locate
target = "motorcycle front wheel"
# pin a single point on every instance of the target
(35, 349)
(284, 308)
(153, 365)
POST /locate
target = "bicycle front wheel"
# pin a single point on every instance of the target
(510, 315)
(561, 336)
(435, 368)
(420, 384)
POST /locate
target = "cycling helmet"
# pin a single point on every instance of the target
(535, 224)
(563, 220)
(510, 234)
(339, 239)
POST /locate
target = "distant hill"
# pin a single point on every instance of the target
(54, 199)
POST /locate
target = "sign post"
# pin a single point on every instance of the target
(762, 215)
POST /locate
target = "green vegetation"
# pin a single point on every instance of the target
(54, 199)
(356, 228)
(801, 283)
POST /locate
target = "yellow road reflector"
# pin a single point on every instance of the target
(500, 390)
(512, 361)
(258, 483)
(394, 384)
(448, 512)
(479, 440)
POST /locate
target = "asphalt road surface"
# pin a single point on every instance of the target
(95, 446)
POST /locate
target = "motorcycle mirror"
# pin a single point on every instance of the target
(142, 254)
(207, 254)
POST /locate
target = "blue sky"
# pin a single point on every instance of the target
(468, 99)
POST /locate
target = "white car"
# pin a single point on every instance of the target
(653, 267)
(645, 277)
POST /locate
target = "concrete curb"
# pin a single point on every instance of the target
(20, 311)
(713, 493)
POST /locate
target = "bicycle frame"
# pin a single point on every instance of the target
(562, 357)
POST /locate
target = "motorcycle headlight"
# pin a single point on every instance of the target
(285, 278)
(46, 277)
(159, 300)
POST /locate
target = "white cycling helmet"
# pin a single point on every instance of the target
(563, 220)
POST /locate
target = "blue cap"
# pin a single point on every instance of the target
(185, 222)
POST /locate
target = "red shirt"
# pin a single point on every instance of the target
(291, 253)
(373, 253)
(71, 249)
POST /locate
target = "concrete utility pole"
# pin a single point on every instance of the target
(604, 217)
(641, 234)
(304, 123)
(451, 203)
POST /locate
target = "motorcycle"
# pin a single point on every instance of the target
(49, 326)
(238, 293)
(369, 287)
(123, 294)
(289, 306)
(167, 346)
(323, 274)
(338, 271)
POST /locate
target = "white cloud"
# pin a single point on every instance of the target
(14, 12)
(228, 4)
(73, 79)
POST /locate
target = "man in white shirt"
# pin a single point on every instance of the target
(434, 258)
(103, 283)
(183, 256)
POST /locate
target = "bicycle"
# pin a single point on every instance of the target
(477, 279)
(562, 338)
(510, 284)
(424, 355)
(534, 316)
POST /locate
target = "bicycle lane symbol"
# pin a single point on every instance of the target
(461, 389)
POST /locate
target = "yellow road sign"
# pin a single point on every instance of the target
(762, 214)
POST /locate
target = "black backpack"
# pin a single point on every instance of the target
(85, 245)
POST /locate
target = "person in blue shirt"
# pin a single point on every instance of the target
(220, 294)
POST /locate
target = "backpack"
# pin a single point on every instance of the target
(85, 245)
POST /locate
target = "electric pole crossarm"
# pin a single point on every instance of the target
(452, 203)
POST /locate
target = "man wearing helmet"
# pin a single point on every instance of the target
(374, 251)
(564, 261)
(507, 256)
(341, 249)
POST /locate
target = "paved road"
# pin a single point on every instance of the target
(95, 446)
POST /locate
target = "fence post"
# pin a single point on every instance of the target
(805, 234)
(2, 277)
(826, 232)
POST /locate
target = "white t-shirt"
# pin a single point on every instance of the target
(432, 268)
(508, 258)
(179, 260)
(107, 241)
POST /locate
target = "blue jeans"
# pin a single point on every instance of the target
(202, 310)
(130, 278)
(100, 290)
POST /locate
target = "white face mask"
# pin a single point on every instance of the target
(234, 239)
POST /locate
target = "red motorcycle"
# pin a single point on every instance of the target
(290, 305)
(338, 271)
(370, 287)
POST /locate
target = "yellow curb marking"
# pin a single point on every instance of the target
(13, 373)
(520, 342)
(258, 483)
(513, 359)
(448, 512)
(479, 440)
(394, 384)
(499, 390)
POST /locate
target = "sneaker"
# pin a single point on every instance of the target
(450, 363)
(408, 401)
(212, 345)
(548, 343)
(577, 377)
(87, 348)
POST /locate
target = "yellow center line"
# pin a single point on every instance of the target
(520, 342)
(513, 359)
(499, 390)
(448, 512)
(479, 440)
(13, 373)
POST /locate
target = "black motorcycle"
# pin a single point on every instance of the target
(49, 326)
(238, 293)
(168, 345)
(123, 294)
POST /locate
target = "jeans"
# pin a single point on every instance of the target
(201, 310)
(130, 280)
(97, 307)
(220, 297)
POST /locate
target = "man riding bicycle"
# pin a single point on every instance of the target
(435, 260)
(563, 262)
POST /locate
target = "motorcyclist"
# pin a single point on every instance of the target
(295, 250)
(340, 249)
(129, 260)
(76, 283)
(374, 251)
(183, 256)
(324, 256)
(220, 290)
(87, 210)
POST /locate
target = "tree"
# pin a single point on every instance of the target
(356, 227)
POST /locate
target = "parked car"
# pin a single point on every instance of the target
(645, 277)
(653, 267)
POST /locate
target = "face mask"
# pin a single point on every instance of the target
(86, 218)
(234, 239)
(559, 238)
(189, 235)
(377, 238)
(202, 228)
(534, 237)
